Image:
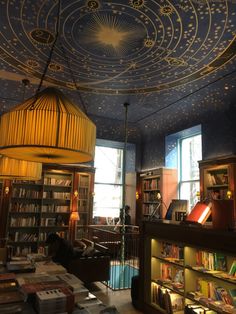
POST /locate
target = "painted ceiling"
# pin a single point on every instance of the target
(172, 61)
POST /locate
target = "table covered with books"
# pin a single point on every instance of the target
(29, 286)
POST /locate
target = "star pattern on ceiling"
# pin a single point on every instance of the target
(174, 42)
(151, 53)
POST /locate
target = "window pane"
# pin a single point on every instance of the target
(188, 191)
(107, 200)
(108, 164)
(191, 153)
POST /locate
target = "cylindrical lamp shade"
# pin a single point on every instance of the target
(19, 169)
(48, 128)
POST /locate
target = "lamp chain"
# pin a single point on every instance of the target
(50, 54)
(53, 45)
(73, 78)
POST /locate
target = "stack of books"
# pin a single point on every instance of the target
(75, 285)
(20, 266)
(49, 268)
(9, 293)
(54, 301)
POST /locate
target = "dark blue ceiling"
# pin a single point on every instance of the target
(173, 61)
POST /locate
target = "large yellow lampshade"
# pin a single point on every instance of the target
(19, 169)
(47, 128)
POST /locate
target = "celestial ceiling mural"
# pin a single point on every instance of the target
(164, 57)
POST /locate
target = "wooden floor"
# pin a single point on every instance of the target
(120, 299)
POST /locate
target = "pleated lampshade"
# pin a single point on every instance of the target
(19, 169)
(47, 128)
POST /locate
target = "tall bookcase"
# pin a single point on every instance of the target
(84, 185)
(218, 179)
(39, 208)
(162, 181)
(184, 267)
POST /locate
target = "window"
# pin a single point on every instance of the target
(183, 151)
(108, 182)
(190, 149)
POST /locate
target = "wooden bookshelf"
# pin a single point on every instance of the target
(150, 183)
(84, 186)
(36, 209)
(218, 180)
(189, 263)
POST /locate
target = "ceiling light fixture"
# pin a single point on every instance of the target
(55, 130)
(48, 127)
(19, 169)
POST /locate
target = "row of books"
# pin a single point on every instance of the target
(57, 221)
(24, 221)
(83, 181)
(83, 193)
(220, 194)
(22, 207)
(54, 181)
(148, 208)
(25, 193)
(217, 305)
(27, 182)
(172, 251)
(151, 184)
(82, 205)
(24, 237)
(211, 261)
(172, 275)
(21, 250)
(197, 309)
(217, 177)
(43, 235)
(212, 290)
(167, 299)
(56, 195)
(150, 196)
(53, 208)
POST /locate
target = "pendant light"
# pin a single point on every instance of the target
(19, 169)
(48, 127)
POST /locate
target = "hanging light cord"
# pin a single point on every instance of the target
(52, 48)
(73, 78)
(32, 106)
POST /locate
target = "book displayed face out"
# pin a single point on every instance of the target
(199, 213)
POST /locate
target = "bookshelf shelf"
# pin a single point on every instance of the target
(187, 284)
(177, 264)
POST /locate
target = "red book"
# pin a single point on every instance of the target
(33, 288)
(7, 277)
(199, 213)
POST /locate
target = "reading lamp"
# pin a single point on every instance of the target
(74, 216)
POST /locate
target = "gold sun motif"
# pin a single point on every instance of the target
(166, 10)
(110, 36)
(137, 4)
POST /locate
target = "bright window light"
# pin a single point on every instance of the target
(108, 182)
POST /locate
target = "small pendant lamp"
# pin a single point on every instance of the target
(47, 128)
(19, 169)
